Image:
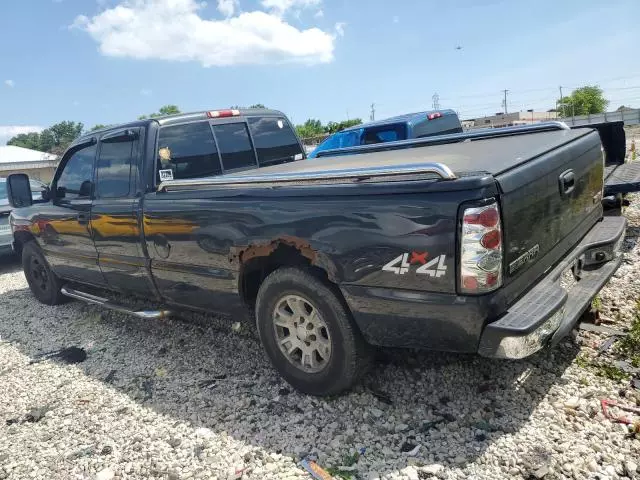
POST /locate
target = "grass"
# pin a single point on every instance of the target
(596, 304)
(629, 346)
(611, 372)
(347, 461)
(344, 475)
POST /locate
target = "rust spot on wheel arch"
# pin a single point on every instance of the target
(266, 248)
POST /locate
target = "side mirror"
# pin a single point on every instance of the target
(19, 190)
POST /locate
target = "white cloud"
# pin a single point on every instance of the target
(145, 92)
(281, 6)
(340, 28)
(10, 83)
(8, 131)
(228, 7)
(319, 14)
(174, 30)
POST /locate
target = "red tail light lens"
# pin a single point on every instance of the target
(433, 116)
(486, 218)
(491, 239)
(481, 249)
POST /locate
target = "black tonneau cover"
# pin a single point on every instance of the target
(491, 155)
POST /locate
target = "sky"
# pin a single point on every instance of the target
(109, 61)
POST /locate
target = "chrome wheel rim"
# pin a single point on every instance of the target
(302, 334)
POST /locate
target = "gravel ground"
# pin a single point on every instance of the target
(175, 400)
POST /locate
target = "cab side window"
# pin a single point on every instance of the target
(75, 180)
(115, 166)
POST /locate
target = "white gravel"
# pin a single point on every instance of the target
(176, 400)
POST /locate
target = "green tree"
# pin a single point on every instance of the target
(333, 127)
(97, 127)
(57, 138)
(166, 110)
(583, 101)
(257, 105)
(26, 140)
(310, 128)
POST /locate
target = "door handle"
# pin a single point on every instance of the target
(567, 181)
(83, 219)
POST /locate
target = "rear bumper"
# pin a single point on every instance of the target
(549, 311)
(458, 323)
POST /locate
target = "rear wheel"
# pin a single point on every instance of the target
(308, 333)
(44, 284)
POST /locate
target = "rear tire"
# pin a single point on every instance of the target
(308, 333)
(44, 284)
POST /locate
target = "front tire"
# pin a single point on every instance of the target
(308, 333)
(44, 284)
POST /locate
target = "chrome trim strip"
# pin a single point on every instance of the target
(439, 169)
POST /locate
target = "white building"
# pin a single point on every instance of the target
(38, 165)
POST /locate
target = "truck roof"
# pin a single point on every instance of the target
(407, 117)
(183, 117)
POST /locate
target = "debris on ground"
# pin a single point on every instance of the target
(315, 470)
(68, 355)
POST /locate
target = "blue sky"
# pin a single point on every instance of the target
(108, 61)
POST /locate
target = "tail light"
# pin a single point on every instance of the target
(481, 249)
(433, 116)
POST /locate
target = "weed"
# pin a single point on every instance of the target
(582, 361)
(349, 460)
(610, 372)
(596, 303)
(337, 473)
(584, 382)
(630, 344)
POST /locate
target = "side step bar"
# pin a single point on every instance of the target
(104, 302)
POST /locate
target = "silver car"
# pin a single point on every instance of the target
(6, 238)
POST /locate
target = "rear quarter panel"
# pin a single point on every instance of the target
(198, 241)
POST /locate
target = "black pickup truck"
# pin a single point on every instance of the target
(491, 242)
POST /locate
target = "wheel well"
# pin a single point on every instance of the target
(257, 269)
(21, 238)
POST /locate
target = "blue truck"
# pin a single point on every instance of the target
(403, 127)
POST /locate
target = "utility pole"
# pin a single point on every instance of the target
(504, 102)
(561, 103)
(436, 101)
(372, 117)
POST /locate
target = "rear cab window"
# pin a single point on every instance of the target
(386, 133)
(274, 140)
(210, 148)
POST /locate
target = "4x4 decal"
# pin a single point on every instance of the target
(402, 264)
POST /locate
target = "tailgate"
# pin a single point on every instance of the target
(623, 178)
(549, 203)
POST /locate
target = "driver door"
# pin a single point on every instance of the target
(65, 222)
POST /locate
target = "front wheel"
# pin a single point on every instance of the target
(44, 284)
(308, 333)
